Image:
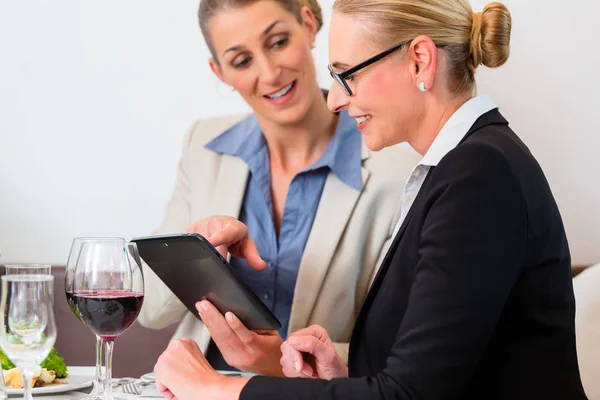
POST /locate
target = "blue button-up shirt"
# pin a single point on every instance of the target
(275, 285)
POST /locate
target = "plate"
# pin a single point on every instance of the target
(77, 380)
(149, 377)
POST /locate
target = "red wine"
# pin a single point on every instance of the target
(108, 313)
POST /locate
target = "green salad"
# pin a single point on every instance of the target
(53, 362)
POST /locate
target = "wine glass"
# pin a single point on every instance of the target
(108, 292)
(27, 328)
(30, 269)
(98, 386)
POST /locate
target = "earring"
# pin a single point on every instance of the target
(422, 87)
(312, 46)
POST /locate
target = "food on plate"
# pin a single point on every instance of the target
(48, 373)
(13, 378)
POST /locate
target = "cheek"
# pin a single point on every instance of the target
(375, 95)
(298, 57)
(243, 82)
(389, 98)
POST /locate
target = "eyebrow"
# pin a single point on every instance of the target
(263, 34)
(269, 28)
(340, 66)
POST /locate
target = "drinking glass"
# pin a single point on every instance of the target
(108, 292)
(98, 386)
(27, 327)
(30, 269)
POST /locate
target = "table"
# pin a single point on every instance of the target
(78, 394)
(148, 393)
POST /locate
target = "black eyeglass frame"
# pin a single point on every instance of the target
(340, 77)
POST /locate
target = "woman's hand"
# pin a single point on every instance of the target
(229, 234)
(257, 352)
(309, 353)
(183, 373)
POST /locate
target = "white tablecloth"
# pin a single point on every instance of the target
(76, 395)
(148, 392)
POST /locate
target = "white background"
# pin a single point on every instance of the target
(96, 95)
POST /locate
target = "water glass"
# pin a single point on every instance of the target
(27, 327)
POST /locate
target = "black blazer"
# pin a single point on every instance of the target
(474, 299)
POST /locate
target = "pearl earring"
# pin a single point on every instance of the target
(422, 87)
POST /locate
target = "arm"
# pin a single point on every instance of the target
(163, 308)
(471, 251)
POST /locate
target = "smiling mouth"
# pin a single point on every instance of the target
(281, 92)
(364, 118)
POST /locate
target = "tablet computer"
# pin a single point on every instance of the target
(194, 270)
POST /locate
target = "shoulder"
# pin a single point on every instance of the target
(489, 159)
(205, 130)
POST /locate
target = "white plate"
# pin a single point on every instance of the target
(149, 377)
(75, 381)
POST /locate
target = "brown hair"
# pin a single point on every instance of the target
(468, 39)
(209, 8)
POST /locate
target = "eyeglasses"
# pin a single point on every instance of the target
(342, 77)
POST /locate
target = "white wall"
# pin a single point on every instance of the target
(96, 95)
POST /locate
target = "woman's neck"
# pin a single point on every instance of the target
(294, 147)
(436, 115)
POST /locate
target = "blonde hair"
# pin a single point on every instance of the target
(469, 39)
(209, 8)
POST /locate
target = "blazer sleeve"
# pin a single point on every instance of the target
(471, 250)
(162, 308)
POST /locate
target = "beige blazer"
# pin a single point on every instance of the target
(350, 235)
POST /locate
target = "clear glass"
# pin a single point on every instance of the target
(29, 269)
(108, 292)
(98, 387)
(2, 385)
(3, 394)
(27, 327)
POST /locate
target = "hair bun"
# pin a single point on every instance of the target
(490, 36)
(314, 6)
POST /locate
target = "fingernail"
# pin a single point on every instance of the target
(229, 316)
(203, 307)
(307, 372)
(297, 366)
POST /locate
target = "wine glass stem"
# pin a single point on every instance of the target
(99, 381)
(108, 348)
(27, 377)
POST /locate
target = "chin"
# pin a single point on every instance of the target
(290, 116)
(374, 143)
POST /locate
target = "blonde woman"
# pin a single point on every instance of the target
(318, 202)
(474, 299)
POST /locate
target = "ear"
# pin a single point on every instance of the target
(217, 70)
(309, 22)
(422, 56)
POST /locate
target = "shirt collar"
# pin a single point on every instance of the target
(342, 155)
(456, 128)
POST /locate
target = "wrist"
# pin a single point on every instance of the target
(229, 388)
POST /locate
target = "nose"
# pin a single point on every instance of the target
(270, 71)
(336, 99)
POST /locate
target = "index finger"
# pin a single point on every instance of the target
(234, 235)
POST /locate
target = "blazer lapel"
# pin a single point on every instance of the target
(230, 187)
(376, 283)
(335, 209)
(385, 264)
